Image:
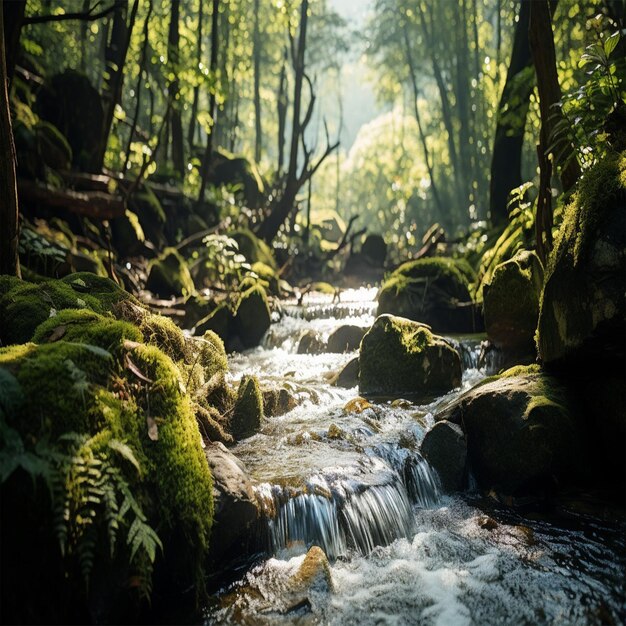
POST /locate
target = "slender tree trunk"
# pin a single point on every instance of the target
(196, 90)
(115, 60)
(418, 119)
(282, 113)
(142, 64)
(9, 229)
(544, 59)
(173, 60)
(84, 27)
(506, 160)
(208, 153)
(13, 19)
(258, 137)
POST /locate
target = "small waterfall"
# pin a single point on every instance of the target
(367, 506)
(470, 351)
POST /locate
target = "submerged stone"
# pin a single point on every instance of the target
(402, 356)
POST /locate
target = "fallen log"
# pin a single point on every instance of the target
(94, 204)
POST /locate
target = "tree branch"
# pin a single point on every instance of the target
(87, 16)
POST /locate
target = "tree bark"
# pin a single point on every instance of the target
(115, 59)
(196, 90)
(173, 60)
(282, 105)
(9, 222)
(13, 20)
(258, 137)
(544, 59)
(506, 161)
(208, 153)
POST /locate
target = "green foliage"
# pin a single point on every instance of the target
(222, 262)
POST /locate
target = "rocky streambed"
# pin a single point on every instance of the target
(356, 526)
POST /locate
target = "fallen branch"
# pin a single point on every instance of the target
(92, 204)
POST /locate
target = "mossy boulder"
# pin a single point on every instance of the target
(169, 275)
(268, 276)
(252, 316)
(26, 305)
(511, 302)
(130, 394)
(346, 338)
(582, 317)
(399, 355)
(248, 410)
(434, 291)
(254, 249)
(521, 433)
(219, 321)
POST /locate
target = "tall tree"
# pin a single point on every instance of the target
(208, 153)
(196, 89)
(173, 60)
(13, 19)
(506, 160)
(297, 174)
(9, 234)
(115, 57)
(258, 131)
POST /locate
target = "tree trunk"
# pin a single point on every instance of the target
(418, 119)
(115, 59)
(258, 137)
(13, 19)
(544, 59)
(173, 60)
(282, 105)
(208, 153)
(196, 90)
(506, 160)
(9, 230)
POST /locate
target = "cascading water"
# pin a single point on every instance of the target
(355, 484)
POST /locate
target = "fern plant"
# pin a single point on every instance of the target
(89, 493)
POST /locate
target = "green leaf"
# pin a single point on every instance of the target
(611, 43)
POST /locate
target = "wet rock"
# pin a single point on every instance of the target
(520, 432)
(348, 377)
(311, 343)
(434, 291)
(445, 448)
(169, 275)
(402, 356)
(236, 508)
(248, 411)
(219, 321)
(278, 401)
(74, 106)
(210, 426)
(511, 302)
(314, 572)
(252, 316)
(346, 338)
(374, 249)
(583, 312)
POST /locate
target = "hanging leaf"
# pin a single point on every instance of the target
(135, 370)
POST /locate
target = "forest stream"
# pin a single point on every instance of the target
(348, 477)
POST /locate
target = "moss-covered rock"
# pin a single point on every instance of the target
(169, 275)
(87, 380)
(252, 316)
(278, 401)
(220, 321)
(434, 291)
(254, 249)
(402, 356)
(521, 435)
(248, 411)
(26, 305)
(311, 342)
(268, 276)
(583, 314)
(511, 302)
(161, 331)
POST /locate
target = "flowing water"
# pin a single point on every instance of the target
(401, 552)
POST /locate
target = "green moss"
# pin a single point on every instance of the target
(451, 271)
(520, 370)
(168, 275)
(85, 326)
(398, 355)
(27, 305)
(248, 412)
(253, 248)
(161, 331)
(212, 354)
(268, 277)
(8, 282)
(252, 316)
